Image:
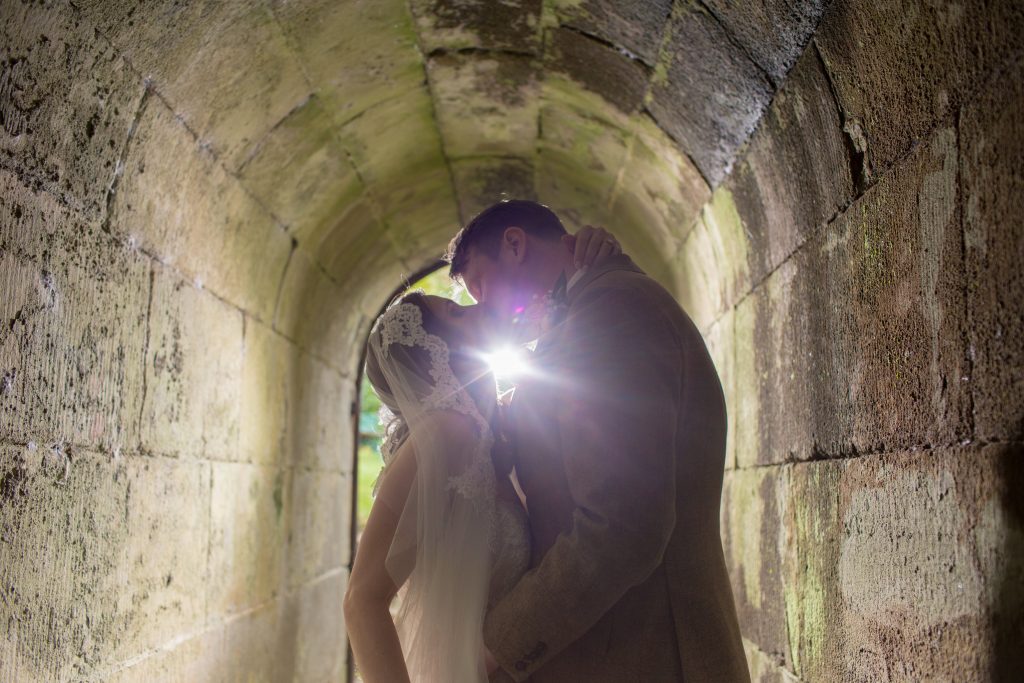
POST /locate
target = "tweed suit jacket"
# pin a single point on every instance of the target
(619, 440)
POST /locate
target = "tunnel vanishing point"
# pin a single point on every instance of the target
(203, 206)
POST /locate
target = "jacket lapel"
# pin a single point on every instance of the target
(551, 336)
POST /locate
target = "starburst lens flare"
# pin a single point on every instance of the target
(507, 362)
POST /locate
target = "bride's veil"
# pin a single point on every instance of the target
(440, 555)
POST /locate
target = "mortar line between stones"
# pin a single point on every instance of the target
(257, 146)
(209, 543)
(145, 353)
(606, 43)
(280, 285)
(200, 143)
(268, 324)
(972, 427)
(663, 61)
(742, 48)
(860, 173)
(542, 21)
(222, 622)
(122, 156)
(374, 204)
(905, 452)
(433, 112)
(767, 655)
(442, 50)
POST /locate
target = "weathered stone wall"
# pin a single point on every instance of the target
(203, 206)
(867, 319)
(176, 455)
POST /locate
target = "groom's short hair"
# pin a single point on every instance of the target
(484, 232)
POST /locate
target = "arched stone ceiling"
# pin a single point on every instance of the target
(373, 128)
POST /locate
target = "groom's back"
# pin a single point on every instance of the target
(679, 620)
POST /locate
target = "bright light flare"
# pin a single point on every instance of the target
(507, 362)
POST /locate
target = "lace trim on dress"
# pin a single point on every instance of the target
(403, 324)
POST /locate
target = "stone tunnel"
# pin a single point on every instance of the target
(204, 205)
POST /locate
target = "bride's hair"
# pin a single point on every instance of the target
(469, 369)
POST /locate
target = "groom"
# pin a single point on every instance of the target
(619, 440)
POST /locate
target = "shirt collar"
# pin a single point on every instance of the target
(576, 277)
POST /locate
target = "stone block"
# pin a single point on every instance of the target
(248, 527)
(512, 26)
(750, 383)
(664, 186)
(261, 645)
(341, 242)
(929, 565)
(321, 646)
(795, 174)
(267, 361)
(163, 583)
(396, 148)
(698, 281)
(581, 150)
(790, 400)
(599, 68)
(720, 340)
(321, 424)
(657, 197)
(300, 172)
(356, 54)
(482, 182)
(319, 524)
(194, 361)
(754, 537)
(94, 570)
(486, 103)
(902, 68)
(773, 33)
(202, 657)
(895, 325)
(712, 261)
(635, 28)
(69, 102)
(74, 307)
(63, 524)
(420, 218)
(811, 589)
(730, 243)
(227, 68)
(907, 565)
(857, 343)
(316, 313)
(992, 145)
(706, 93)
(178, 204)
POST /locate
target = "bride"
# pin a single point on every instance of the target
(448, 533)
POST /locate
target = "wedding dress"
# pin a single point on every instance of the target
(458, 546)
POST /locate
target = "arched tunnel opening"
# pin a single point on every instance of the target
(203, 206)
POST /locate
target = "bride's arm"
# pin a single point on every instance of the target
(371, 630)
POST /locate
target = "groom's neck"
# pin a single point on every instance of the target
(558, 261)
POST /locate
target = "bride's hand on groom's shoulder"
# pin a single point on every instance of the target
(592, 245)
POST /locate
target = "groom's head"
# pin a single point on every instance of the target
(509, 254)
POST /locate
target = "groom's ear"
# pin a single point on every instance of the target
(513, 244)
